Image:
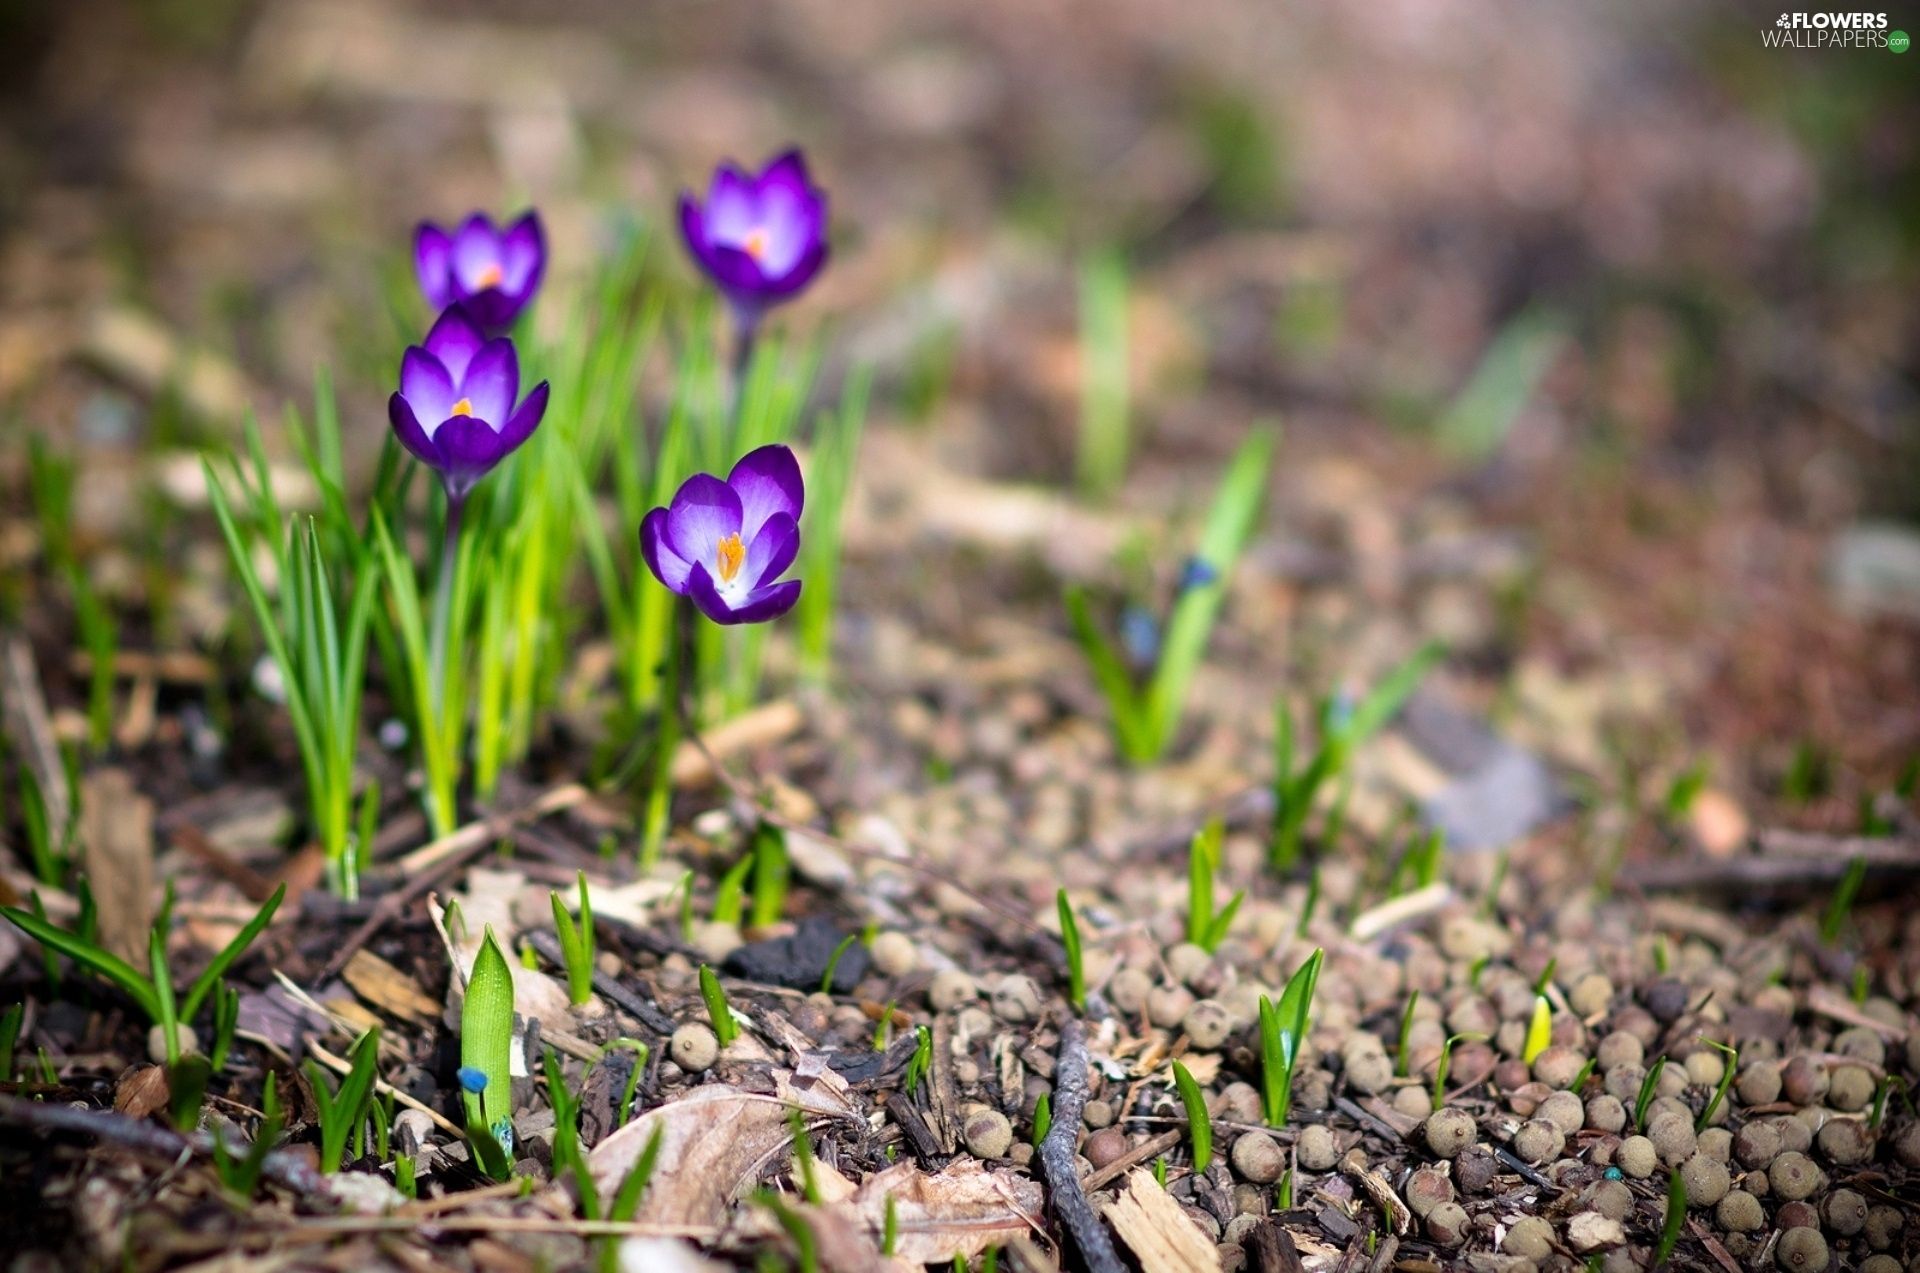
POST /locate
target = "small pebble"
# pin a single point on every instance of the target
(1672, 1137)
(1757, 1144)
(1844, 1212)
(1530, 1238)
(1369, 1072)
(1016, 1000)
(1106, 1146)
(1861, 1043)
(1259, 1157)
(1097, 1114)
(1591, 995)
(1850, 1088)
(1315, 1148)
(894, 954)
(989, 1135)
(1565, 1111)
(1717, 1144)
(1611, 1198)
(1802, 1251)
(1845, 1142)
(1636, 1157)
(694, 1047)
(1538, 1141)
(1449, 1131)
(950, 988)
(1129, 989)
(1606, 1114)
(1413, 1102)
(1558, 1067)
(1426, 1189)
(1706, 1068)
(1188, 963)
(1758, 1084)
(1207, 1024)
(1707, 1180)
(1884, 1225)
(1447, 1224)
(1804, 1082)
(1167, 1005)
(1740, 1212)
(1794, 1176)
(1618, 1049)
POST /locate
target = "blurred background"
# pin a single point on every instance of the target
(1612, 302)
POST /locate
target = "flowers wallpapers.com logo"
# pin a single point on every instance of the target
(1854, 30)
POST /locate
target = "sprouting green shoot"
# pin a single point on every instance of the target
(1312, 903)
(1490, 904)
(1586, 1072)
(1649, 1087)
(1444, 1066)
(1146, 716)
(883, 1028)
(1685, 789)
(567, 1154)
(730, 894)
(403, 1177)
(240, 1176)
(1841, 904)
(803, 1159)
(49, 860)
(1675, 1219)
(890, 1227)
(1160, 1171)
(1205, 928)
(1720, 1089)
(798, 1231)
(226, 1019)
(1406, 1034)
(725, 1028)
(1886, 1087)
(1345, 726)
(1042, 1118)
(626, 1199)
(920, 1064)
(770, 874)
(1545, 978)
(1199, 1121)
(1862, 985)
(833, 962)
(344, 1109)
(1662, 956)
(830, 466)
(576, 942)
(10, 1035)
(1427, 856)
(1103, 442)
(1483, 413)
(1070, 938)
(1539, 1029)
(1476, 969)
(1283, 1029)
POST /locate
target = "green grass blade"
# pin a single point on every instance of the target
(101, 962)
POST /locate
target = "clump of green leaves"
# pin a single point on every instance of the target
(1649, 1088)
(240, 1176)
(1444, 1066)
(1147, 712)
(153, 991)
(1732, 1055)
(1539, 1029)
(1199, 1120)
(1205, 928)
(1676, 1217)
(576, 942)
(319, 651)
(1283, 1029)
(344, 1109)
(771, 872)
(1344, 726)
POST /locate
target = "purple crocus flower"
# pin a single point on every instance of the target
(492, 271)
(760, 238)
(722, 544)
(455, 410)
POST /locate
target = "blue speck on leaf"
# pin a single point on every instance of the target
(1198, 572)
(474, 1080)
(1140, 636)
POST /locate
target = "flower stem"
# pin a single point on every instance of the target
(673, 707)
(443, 600)
(746, 335)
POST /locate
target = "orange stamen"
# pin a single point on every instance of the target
(732, 553)
(463, 407)
(756, 244)
(489, 277)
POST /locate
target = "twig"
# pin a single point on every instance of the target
(286, 1168)
(1056, 1155)
(1149, 1148)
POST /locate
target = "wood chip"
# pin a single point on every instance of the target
(116, 828)
(1162, 1235)
(389, 989)
(1399, 1217)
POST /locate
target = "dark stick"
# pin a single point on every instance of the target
(1076, 1214)
(283, 1167)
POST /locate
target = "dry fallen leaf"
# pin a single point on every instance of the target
(387, 988)
(715, 1142)
(959, 1212)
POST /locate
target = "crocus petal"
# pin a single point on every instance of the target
(735, 271)
(492, 383)
(426, 385)
(469, 446)
(476, 250)
(704, 511)
(733, 205)
(520, 426)
(789, 168)
(406, 427)
(523, 257)
(705, 597)
(454, 340)
(669, 567)
(799, 275)
(433, 263)
(763, 604)
(767, 480)
(771, 551)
